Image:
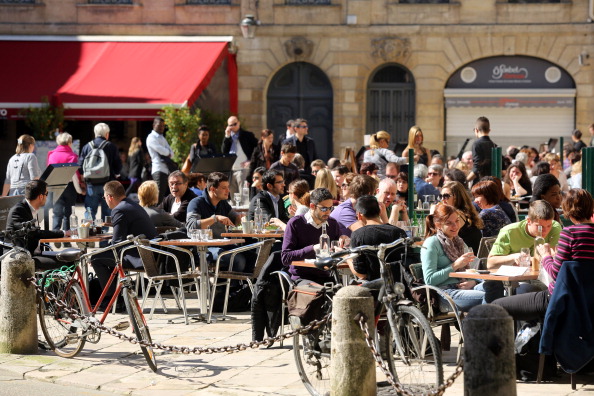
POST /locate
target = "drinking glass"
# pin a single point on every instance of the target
(334, 245)
(195, 235)
(237, 199)
(525, 257)
(426, 204)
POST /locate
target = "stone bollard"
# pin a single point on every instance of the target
(18, 319)
(352, 367)
(489, 360)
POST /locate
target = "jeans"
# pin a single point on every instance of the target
(239, 262)
(93, 198)
(464, 299)
(63, 209)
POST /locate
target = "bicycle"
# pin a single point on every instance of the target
(408, 343)
(67, 334)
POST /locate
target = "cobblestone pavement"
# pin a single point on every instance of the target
(116, 366)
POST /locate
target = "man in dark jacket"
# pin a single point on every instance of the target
(128, 218)
(177, 202)
(95, 191)
(481, 150)
(305, 145)
(241, 143)
(270, 198)
(27, 210)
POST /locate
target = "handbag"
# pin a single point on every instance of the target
(187, 166)
(171, 166)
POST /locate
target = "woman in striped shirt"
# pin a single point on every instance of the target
(576, 243)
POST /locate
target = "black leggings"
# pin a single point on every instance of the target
(527, 306)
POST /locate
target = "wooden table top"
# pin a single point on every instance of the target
(252, 235)
(307, 264)
(528, 275)
(97, 238)
(189, 242)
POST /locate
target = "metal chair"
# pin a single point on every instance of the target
(286, 284)
(263, 253)
(438, 318)
(156, 278)
(483, 251)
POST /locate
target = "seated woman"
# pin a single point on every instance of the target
(444, 253)
(298, 198)
(517, 182)
(548, 188)
(557, 170)
(454, 194)
(504, 202)
(540, 169)
(402, 186)
(575, 243)
(486, 196)
(148, 194)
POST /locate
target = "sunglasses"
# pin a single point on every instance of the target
(392, 176)
(444, 196)
(232, 125)
(301, 126)
(432, 174)
(325, 209)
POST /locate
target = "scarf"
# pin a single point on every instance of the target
(453, 248)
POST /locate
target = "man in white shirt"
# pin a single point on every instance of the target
(241, 143)
(157, 146)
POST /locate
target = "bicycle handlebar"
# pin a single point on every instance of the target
(20, 230)
(129, 239)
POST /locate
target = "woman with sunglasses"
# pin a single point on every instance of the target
(344, 186)
(486, 197)
(445, 252)
(380, 155)
(454, 194)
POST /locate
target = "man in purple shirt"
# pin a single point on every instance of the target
(302, 236)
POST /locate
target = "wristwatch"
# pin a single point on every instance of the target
(214, 217)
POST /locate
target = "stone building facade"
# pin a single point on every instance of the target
(326, 59)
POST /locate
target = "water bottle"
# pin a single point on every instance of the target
(258, 220)
(245, 194)
(73, 221)
(324, 243)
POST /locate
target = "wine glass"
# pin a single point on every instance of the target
(237, 199)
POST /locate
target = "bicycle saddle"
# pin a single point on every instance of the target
(69, 255)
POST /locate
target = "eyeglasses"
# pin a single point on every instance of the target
(344, 185)
(232, 125)
(432, 174)
(301, 126)
(46, 193)
(444, 196)
(325, 209)
(392, 176)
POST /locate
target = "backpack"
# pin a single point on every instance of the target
(96, 165)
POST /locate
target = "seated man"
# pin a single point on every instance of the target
(513, 237)
(128, 218)
(302, 237)
(270, 198)
(392, 209)
(27, 210)
(212, 210)
(373, 232)
(177, 202)
(422, 187)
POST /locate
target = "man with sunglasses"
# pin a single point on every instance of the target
(302, 237)
(27, 210)
(241, 143)
(304, 144)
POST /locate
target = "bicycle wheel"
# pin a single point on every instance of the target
(64, 335)
(412, 350)
(312, 357)
(139, 326)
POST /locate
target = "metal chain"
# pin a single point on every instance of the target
(94, 324)
(361, 319)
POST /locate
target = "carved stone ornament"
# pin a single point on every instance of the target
(390, 48)
(299, 48)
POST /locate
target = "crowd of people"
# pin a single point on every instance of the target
(364, 203)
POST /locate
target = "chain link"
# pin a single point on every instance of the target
(96, 325)
(361, 319)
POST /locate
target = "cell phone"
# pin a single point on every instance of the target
(483, 271)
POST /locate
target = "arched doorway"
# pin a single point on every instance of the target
(391, 102)
(303, 90)
(527, 100)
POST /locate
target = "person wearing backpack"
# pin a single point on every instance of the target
(100, 162)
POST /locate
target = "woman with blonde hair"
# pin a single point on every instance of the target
(324, 179)
(136, 164)
(148, 195)
(22, 167)
(379, 154)
(415, 141)
(557, 170)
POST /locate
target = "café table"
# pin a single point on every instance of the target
(83, 244)
(259, 236)
(202, 247)
(507, 280)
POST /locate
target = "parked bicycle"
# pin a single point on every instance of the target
(407, 341)
(67, 334)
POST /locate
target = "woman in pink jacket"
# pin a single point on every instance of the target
(63, 154)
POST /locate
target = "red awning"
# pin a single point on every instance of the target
(107, 79)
